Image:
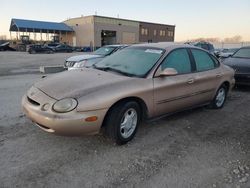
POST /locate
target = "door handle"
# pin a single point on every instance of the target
(190, 81)
(218, 75)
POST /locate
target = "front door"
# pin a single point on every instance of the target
(172, 93)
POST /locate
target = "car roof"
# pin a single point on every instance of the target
(164, 45)
(245, 47)
(116, 45)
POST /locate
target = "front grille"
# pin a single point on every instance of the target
(241, 70)
(70, 63)
(33, 102)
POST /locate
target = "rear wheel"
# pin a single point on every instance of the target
(220, 98)
(122, 121)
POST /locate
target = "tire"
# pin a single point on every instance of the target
(22, 48)
(220, 98)
(32, 52)
(115, 122)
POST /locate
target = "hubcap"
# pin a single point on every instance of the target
(220, 98)
(128, 123)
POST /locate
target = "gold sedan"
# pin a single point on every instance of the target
(140, 82)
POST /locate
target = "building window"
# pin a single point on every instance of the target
(144, 31)
(170, 33)
(162, 33)
(155, 32)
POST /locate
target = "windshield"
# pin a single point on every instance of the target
(104, 51)
(242, 53)
(134, 61)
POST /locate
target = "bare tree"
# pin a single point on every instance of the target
(234, 39)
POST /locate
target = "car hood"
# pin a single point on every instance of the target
(79, 83)
(237, 61)
(240, 64)
(83, 57)
(226, 54)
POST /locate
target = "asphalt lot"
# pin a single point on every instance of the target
(196, 148)
(13, 63)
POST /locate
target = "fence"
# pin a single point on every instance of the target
(231, 45)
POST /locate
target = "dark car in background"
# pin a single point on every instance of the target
(5, 47)
(52, 45)
(37, 48)
(63, 48)
(240, 62)
(87, 60)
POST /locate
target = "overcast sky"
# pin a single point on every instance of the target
(193, 18)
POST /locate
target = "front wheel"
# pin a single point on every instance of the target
(122, 122)
(220, 98)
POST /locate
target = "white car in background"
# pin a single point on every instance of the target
(225, 53)
(88, 60)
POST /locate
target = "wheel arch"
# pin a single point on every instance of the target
(142, 104)
(227, 84)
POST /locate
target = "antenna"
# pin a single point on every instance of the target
(95, 12)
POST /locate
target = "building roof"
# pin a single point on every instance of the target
(82, 17)
(38, 26)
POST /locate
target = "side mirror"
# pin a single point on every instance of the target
(168, 72)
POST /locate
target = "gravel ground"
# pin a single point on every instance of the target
(196, 148)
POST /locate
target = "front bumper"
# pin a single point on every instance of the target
(242, 79)
(69, 124)
(73, 68)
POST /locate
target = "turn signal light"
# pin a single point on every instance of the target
(91, 119)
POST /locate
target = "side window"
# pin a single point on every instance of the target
(202, 60)
(179, 60)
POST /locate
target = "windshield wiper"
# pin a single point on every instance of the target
(99, 68)
(114, 70)
(120, 72)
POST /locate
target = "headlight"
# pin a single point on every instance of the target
(65, 105)
(80, 64)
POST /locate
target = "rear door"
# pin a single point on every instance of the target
(207, 75)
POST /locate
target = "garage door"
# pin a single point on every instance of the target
(128, 38)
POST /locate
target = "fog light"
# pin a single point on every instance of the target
(91, 119)
(45, 107)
